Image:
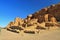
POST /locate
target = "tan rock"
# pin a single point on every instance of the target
(32, 21)
(18, 21)
(46, 17)
(10, 24)
(41, 24)
(46, 9)
(30, 15)
(49, 24)
(53, 5)
(53, 20)
(31, 31)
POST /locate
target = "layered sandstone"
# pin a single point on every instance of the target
(43, 19)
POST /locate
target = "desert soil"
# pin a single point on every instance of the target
(43, 35)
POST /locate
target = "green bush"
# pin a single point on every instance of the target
(0, 29)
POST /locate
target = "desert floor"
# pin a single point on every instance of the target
(43, 35)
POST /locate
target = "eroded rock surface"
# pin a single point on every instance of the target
(43, 19)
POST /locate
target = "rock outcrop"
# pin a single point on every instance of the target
(53, 10)
(43, 19)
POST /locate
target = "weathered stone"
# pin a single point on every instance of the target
(32, 21)
(53, 20)
(45, 18)
(10, 24)
(18, 21)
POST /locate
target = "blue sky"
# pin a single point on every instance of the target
(10, 9)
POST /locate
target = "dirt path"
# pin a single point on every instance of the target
(46, 35)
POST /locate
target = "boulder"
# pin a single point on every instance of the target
(18, 21)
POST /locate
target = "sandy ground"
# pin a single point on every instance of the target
(43, 35)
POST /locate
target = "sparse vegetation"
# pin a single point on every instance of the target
(0, 28)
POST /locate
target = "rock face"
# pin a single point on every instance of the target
(18, 21)
(43, 19)
(53, 10)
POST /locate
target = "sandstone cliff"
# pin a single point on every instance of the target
(43, 19)
(53, 10)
